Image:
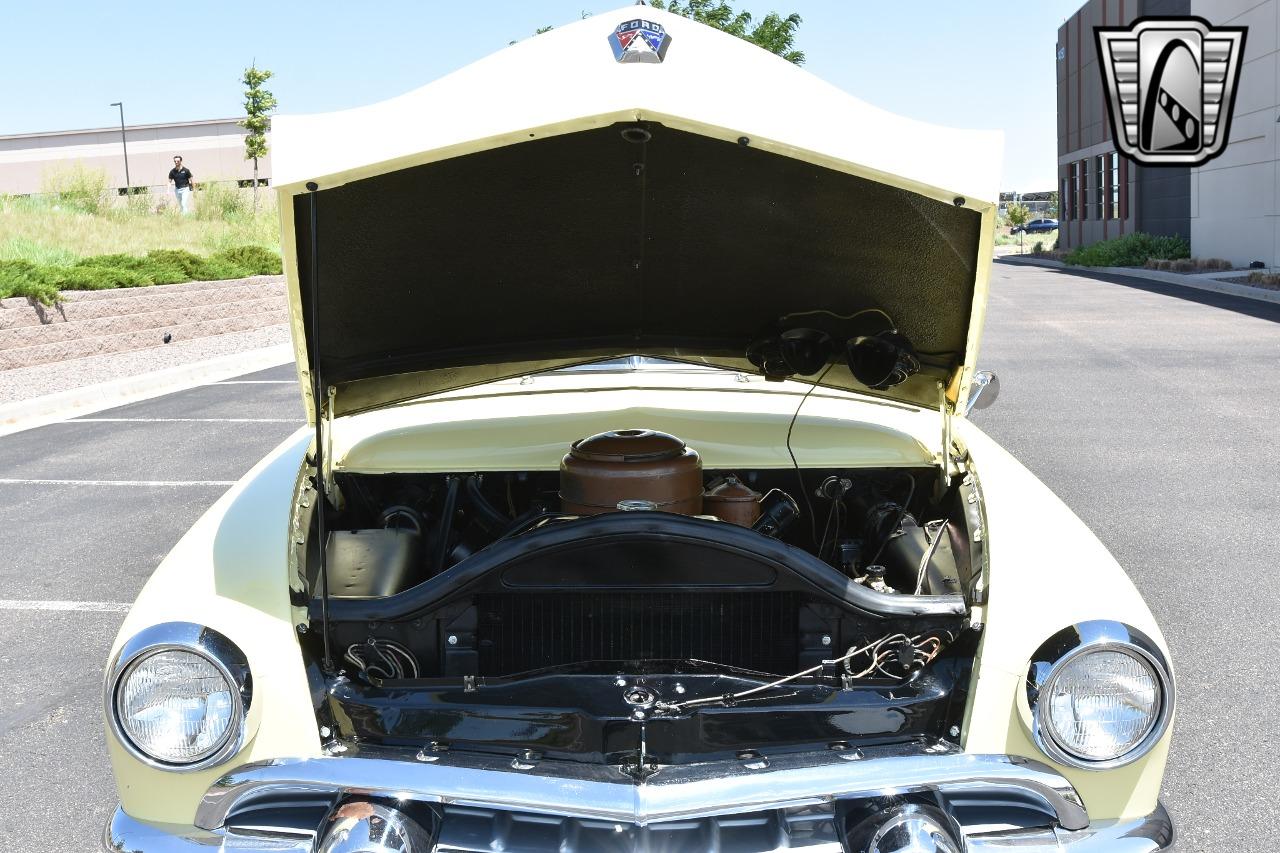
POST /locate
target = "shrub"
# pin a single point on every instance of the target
(78, 186)
(1185, 265)
(1038, 248)
(162, 266)
(254, 260)
(1131, 250)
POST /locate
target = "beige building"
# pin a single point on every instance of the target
(1234, 212)
(213, 150)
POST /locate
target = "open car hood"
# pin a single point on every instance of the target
(550, 205)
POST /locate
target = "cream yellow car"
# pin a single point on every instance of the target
(638, 508)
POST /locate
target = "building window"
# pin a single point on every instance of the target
(1082, 190)
(1064, 200)
(1124, 189)
(1113, 211)
(1100, 187)
(1073, 191)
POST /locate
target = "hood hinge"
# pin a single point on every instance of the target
(325, 475)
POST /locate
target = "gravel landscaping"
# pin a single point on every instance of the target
(27, 382)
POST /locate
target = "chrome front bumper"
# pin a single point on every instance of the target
(1142, 835)
(242, 810)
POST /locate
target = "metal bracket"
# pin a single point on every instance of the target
(327, 475)
(944, 468)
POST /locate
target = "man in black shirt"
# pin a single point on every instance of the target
(180, 177)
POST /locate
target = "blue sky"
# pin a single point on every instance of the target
(977, 64)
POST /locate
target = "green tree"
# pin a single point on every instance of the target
(258, 104)
(1052, 210)
(1018, 214)
(776, 34)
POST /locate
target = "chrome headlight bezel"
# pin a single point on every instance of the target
(1086, 638)
(224, 655)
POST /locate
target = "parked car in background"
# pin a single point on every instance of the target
(640, 507)
(1036, 226)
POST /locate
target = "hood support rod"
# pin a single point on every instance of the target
(318, 405)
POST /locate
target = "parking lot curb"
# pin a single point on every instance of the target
(38, 411)
(1177, 279)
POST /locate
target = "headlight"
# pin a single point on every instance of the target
(1101, 695)
(177, 695)
(175, 706)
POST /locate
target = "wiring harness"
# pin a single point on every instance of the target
(894, 656)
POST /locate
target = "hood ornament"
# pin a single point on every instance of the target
(639, 40)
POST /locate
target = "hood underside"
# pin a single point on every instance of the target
(631, 238)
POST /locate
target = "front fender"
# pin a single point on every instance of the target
(1046, 571)
(229, 572)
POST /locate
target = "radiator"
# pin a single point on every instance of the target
(521, 631)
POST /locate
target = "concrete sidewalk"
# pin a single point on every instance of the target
(1210, 282)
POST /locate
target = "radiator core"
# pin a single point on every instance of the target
(521, 631)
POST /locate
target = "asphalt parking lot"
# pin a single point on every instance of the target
(1156, 417)
(88, 508)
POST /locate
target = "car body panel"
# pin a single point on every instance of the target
(780, 109)
(1047, 571)
(733, 420)
(229, 572)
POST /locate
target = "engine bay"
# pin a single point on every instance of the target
(635, 608)
(633, 556)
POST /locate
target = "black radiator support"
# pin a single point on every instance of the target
(523, 631)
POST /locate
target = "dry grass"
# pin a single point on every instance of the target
(1268, 280)
(1188, 265)
(1004, 238)
(44, 231)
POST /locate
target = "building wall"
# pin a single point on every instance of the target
(1228, 207)
(212, 150)
(1153, 200)
(1084, 133)
(1232, 199)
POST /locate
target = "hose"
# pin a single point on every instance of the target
(446, 525)
(490, 519)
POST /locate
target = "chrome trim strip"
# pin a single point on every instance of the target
(605, 792)
(125, 834)
(1085, 637)
(188, 637)
(1149, 834)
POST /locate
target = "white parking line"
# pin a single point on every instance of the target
(256, 382)
(79, 606)
(22, 482)
(186, 421)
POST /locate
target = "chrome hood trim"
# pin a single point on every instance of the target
(607, 793)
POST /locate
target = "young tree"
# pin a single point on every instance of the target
(776, 34)
(258, 104)
(1052, 210)
(1018, 214)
